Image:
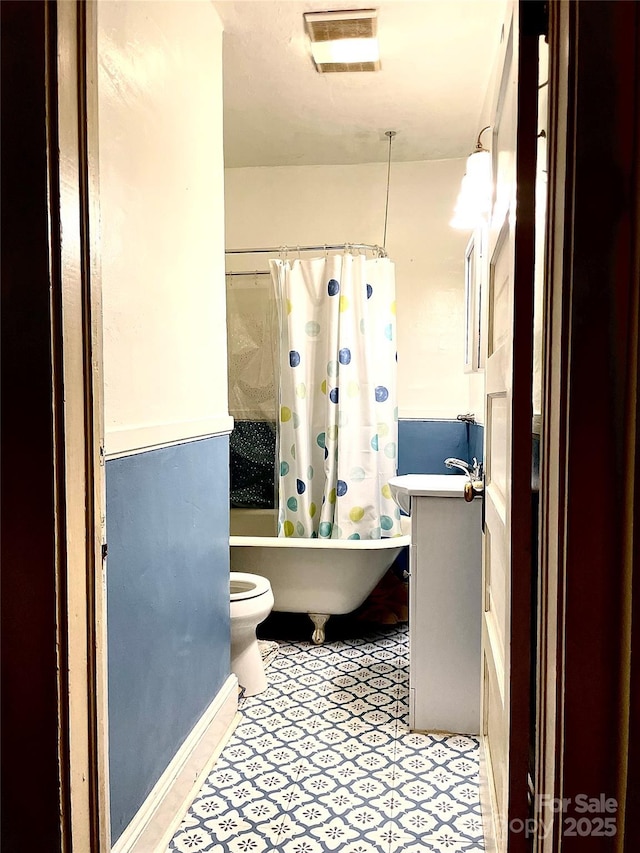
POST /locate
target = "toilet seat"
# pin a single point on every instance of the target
(244, 586)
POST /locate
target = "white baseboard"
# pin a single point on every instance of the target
(158, 818)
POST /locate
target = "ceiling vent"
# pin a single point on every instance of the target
(344, 41)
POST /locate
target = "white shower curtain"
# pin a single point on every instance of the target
(338, 418)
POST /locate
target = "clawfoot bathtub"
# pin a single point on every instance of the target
(321, 577)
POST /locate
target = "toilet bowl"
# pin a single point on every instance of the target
(251, 603)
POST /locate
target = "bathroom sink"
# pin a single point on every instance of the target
(426, 485)
(400, 494)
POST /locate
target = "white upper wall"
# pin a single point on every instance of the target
(314, 205)
(162, 194)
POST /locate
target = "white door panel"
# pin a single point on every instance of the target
(506, 567)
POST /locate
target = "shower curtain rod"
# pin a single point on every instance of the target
(286, 249)
(248, 272)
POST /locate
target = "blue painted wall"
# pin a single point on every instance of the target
(423, 445)
(476, 442)
(168, 607)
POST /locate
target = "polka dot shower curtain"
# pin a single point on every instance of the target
(338, 427)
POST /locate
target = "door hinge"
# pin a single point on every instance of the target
(105, 549)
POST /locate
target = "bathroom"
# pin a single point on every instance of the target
(167, 419)
(166, 422)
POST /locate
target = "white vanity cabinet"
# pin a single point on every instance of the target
(445, 604)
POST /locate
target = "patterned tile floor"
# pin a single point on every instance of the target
(324, 761)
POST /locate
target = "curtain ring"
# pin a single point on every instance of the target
(298, 249)
(326, 252)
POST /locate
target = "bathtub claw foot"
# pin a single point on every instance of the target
(319, 620)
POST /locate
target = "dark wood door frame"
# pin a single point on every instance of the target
(588, 710)
(53, 648)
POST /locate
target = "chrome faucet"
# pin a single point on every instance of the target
(452, 462)
(473, 473)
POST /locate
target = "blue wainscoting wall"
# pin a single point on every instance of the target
(423, 445)
(167, 608)
(476, 442)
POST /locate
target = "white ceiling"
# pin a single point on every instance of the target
(436, 60)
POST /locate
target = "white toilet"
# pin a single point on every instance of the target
(251, 603)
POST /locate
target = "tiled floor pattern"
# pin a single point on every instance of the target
(324, 761)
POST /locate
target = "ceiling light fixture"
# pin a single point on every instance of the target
(474, 198)
(344, 41)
